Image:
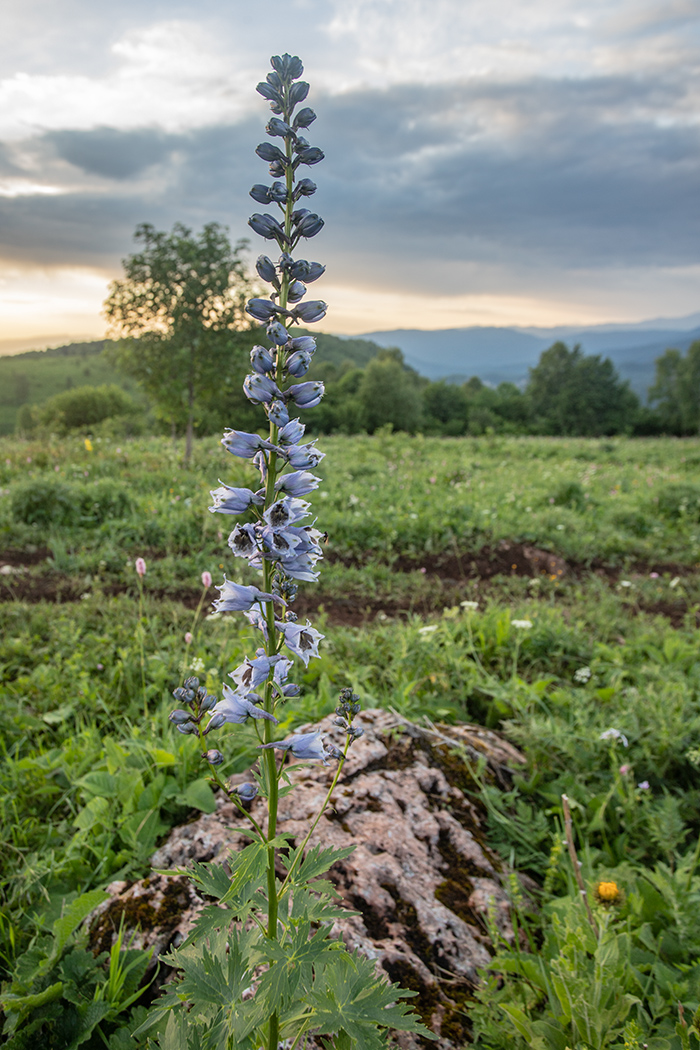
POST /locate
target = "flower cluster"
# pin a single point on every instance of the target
(279, 542)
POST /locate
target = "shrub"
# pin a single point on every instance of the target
(83, 407)
(63, 505)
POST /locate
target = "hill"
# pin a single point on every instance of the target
(33, 376)
(505, 354)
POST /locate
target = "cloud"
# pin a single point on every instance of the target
(111, 153)
(572, 173)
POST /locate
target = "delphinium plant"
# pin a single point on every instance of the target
(264, 972)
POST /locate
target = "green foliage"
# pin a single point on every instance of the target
(63, 996)
(82, 408)
(29, 379)
(676, 390)
(65, 505)
(177, 308)
(312, 983)
(571, 393)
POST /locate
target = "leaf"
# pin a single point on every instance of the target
(348, 995)
(317, 861)
(74, 914)
(198, 795)
(90, 1015)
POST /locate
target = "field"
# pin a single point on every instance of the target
(595, 543)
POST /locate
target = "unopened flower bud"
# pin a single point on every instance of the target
(188, 637)
(191, 683)
(187, 727)
(334, 752)
(215, 722)
(340, 722)
(213, 757)
(246, 792)
(179, 717)
(207, 703)
(206, 579)
(356, 732)
(140, 566)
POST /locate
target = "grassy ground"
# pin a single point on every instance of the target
(595, 544)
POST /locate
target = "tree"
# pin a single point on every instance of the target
(676, 390)
(389, 392)
(177, 311)
(571, 393)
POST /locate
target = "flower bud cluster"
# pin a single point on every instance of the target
(197, 701)
(348, 706)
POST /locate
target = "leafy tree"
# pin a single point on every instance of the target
(676, 390)
(179, 309)
(571, 393)
(389, 392)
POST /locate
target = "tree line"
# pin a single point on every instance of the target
(183, 335)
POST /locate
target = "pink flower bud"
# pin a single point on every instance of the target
(188, 638)
(141, 566)
(206, 579)
(624, 770)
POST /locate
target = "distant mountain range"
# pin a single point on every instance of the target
(498, 355)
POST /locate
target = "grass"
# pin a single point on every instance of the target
(90, 784)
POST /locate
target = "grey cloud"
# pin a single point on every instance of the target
(111, 153)
(541, 173)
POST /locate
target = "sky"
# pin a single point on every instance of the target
(490, 164)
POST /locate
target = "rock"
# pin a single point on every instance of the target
(421, 880)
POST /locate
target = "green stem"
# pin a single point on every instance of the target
(322, 810)
(143, 658)
(221, 783)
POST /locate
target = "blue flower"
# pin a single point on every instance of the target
(297, 364)
(243, 444)
(286, 511)
(243, 541)
(252, 673)
(237, 709)
(213, 757)
(304, 118)
(289, 67)
(295, 292)
(308, 747)
(277, 413)
(262, 360)
(260, 389)
(228, 500)
(304, 188)
(301, 457)
(263, 309)
(297, 484)
(312, 311)
(237, 598)
(306, 271)
(277, 333)
(303, 342)
(270, 93)
(305, 395)
(266, 269)
(278, 193)
(301, 567)
(266, 151)
(260, 193)
(308, 225)
(281, 543)
(292, 432)
(268, 227)
(298, 92)
(246, 791)
(278, 128)
(309, 155)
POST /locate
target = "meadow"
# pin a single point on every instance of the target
(440, 552)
